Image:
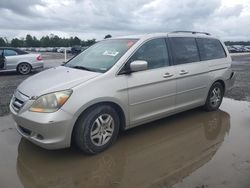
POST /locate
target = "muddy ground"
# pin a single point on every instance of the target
(194, 149)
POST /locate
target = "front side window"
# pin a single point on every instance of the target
(184, 50)
(9, 53)
(154, 52)
(210, 49)
(102, 56)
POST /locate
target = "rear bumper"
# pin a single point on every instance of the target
(230, 82)
(37, 65)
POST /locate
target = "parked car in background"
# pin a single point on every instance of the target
(49, 49)
(62, 49)
(231, 49)
(238, 48)
(20, 61)
(42, 50)
(85, 48)
(120, 83)
(246, 48)
(76, 49)
(23, 49)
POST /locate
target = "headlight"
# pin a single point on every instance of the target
(50, 102)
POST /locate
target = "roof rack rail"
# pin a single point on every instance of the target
(193, 32)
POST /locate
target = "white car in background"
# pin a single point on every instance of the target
(20, 61)
(62, 49)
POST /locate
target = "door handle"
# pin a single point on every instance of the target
(182, 72)
(167, 75)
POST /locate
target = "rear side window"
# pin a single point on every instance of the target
(184, 50)
(154, 52)
(9, 52)
(210, 49)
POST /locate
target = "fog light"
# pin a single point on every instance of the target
(40, 137)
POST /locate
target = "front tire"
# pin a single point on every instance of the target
(96, 129)
(214, 98)
(24, 68)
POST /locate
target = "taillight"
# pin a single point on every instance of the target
(39, 58)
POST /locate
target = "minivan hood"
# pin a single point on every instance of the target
(54, 79)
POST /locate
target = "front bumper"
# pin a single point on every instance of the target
(48, 130)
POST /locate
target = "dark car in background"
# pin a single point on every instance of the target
(76, 49)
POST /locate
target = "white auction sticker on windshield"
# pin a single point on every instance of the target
(110, 53)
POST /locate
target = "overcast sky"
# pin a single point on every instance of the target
(228, 19)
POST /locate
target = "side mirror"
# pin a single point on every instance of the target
(138, 65)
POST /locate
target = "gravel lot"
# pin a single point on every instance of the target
(240, 91)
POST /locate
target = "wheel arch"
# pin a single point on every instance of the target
(116, 106)
(222, 83)
(217, 80)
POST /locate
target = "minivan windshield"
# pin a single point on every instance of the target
(101, 56)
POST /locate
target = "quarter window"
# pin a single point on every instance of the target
(154, 52)
(184, 50)
(9, 52)
(210, 49)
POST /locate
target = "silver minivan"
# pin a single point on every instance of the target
(118, 84)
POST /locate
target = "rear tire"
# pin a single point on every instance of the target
(214, 97)
(97, 129)
(24, 68)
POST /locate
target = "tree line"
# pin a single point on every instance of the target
(56, 41)
(46, 41)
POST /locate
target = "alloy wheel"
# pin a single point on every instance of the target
(215, 97)
(24, 68)
(102, 130)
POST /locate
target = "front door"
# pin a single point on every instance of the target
(152, 91)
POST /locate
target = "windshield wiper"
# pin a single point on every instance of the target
(82, 68)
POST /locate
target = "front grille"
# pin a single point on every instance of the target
(17, 104)
(18, 101)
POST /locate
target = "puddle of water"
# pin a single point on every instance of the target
(191, 149)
